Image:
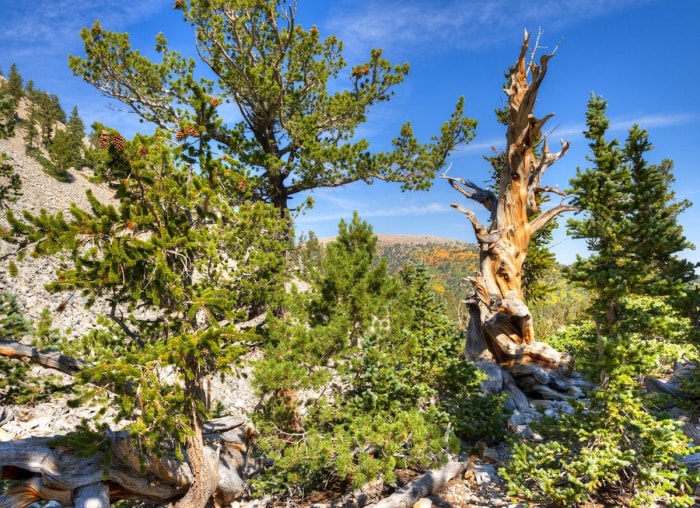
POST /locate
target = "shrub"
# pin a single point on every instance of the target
(612, 446)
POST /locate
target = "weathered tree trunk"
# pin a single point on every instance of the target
(500, 327)
(216, 451)
(47, 470)
(427, 484)
(202, 464)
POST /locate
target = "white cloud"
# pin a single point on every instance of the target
(344, 208)
(653, 120)
(53, 26)
(457, 24)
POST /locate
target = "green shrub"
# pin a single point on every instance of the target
(51, 169)
(349, 393)
(612, 446)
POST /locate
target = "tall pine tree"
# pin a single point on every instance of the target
(630, 220)
(298, 123)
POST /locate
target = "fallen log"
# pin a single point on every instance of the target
(425, 485)
(656, 385)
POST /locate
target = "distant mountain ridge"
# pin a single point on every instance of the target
(389, 239)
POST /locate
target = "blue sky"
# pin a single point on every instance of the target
(640, 55)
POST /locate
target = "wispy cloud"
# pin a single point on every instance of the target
(623, 124)
(456, 24)
(53, 26)
(370, 210)
(653, 120)
(404, 211)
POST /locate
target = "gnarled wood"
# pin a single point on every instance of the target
(49, 471)
(500, 327)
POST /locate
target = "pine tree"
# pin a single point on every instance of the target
(61, 151)
(48, 111)
(31, 132)
(353, 281)
(655, 222)
(14, 84)
(13, 375)
(10, 183)
(183, 259)
(67, 147)
(630, 223)
(7, 113)
(76, 128)
(381, 361)
(296, 135)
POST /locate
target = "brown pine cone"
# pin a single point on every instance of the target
(118, 142)
(191, 131)
(103, 140)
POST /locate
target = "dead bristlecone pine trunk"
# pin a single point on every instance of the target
(500, 334)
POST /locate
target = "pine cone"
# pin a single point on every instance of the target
(215, 101)
(103, 140)
(180, 135)
(191, 131)
(143, 151)
(118, 142)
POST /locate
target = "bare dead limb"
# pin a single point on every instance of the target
(472, 191)
(551, 190)
(46, 358)
(548, 215)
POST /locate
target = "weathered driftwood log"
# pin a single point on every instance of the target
(425, 485)
(48, 470)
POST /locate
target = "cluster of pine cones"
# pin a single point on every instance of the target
(187, 131)
(105, 139)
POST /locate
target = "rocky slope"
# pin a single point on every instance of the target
(41, 191)
(480, 487)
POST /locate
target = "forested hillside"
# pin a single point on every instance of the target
(166, 340)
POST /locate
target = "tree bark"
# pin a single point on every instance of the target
(47, 470)
(95, 495)
(500, 327)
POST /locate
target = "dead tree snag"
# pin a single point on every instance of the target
(500, 327)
